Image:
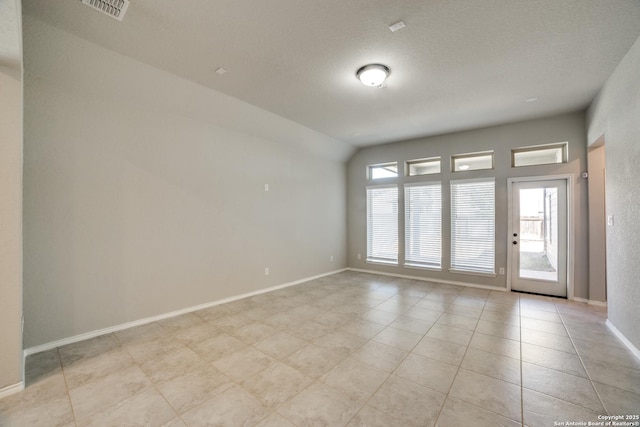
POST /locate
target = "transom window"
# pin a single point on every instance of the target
(539, 155)
(423, 167)
(383, 170)
(472, 161)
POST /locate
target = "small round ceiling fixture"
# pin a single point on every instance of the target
(373, 74)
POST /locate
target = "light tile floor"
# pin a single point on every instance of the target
(348, 349)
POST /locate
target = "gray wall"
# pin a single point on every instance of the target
(144, 193)
(597, 225)
(568, 127)
(10, 226)
(615, 115)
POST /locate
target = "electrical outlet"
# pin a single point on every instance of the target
(359, 256)
(331, 258)
(609, 219)
(501, 271)
(266, 271)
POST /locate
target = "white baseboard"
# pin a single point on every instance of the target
(590, 302)
(624, 339)
(425, 279)
(87, 335)
(11, 389)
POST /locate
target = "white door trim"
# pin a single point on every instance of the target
(570, 224)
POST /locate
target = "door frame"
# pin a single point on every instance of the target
(570, 224)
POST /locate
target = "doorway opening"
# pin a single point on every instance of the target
(538, 231)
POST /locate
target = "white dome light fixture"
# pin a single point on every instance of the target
(373, 74)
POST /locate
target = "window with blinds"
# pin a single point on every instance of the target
(423, 225)
(382, 224)
(473, 225)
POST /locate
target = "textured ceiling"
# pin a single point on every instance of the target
(457, 65)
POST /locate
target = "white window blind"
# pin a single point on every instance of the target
(473, 225)
(382, 224)
(423, 225)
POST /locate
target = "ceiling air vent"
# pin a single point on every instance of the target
(114, 8)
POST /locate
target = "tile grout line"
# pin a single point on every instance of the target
(153, 385)
(560, 371)
(239, 383)
(178, 415)
(461, 360)
(274, 410)
(521, 362)
(231, 380)
(400, 363)
(390, 373)
(316, 380)
(460, 367)
(586, 371)
(66, 384)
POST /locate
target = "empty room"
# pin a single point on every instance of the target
(319, 213)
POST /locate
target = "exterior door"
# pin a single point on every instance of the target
(538, 237)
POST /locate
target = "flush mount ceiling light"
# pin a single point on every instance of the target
(373, 74)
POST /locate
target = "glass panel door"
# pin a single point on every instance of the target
(539, 237)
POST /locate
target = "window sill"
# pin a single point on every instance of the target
(381, 262)
(422, 267)
(472, 273)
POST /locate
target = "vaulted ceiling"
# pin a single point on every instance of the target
(456, 65)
